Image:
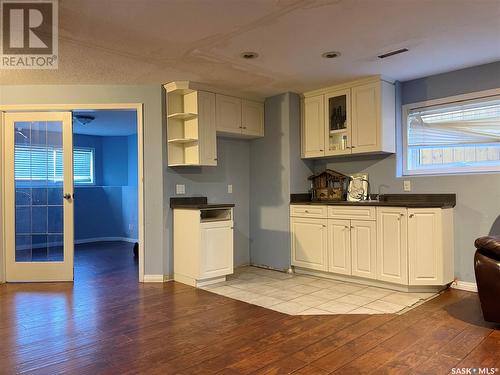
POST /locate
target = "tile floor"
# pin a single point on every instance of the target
(309, 295)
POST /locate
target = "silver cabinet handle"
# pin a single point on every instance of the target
(352, 227)
(67, 196)
(411, 215)
(347, 227)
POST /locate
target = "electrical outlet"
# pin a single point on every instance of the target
(180, 189)
(407, 185)
(230, 189)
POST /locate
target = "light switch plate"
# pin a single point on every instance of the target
(180, 189)
(230, 189)
(407, 185)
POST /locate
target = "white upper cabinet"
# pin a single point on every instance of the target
(313, 135)
(239, 117)
(228, 114)
(252, 118)
(359, 118)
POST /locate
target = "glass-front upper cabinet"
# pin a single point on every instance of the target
(338, 131)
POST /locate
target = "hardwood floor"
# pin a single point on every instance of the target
(107, 323)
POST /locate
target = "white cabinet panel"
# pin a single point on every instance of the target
(392, 248)
(309, 243)
(252, 118)
(308, 211)
(364, 248)
(313, 130)
(425, 246)
(207, 128)
(228, 114)
(366, 118)
(216, 249)
(339, 246)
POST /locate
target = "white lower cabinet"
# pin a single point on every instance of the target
(392, 245)
(309, 243)
(411, 247)
(339, 246)
(216, 249)
(363, 246)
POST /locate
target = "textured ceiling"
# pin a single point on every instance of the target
(156, 41)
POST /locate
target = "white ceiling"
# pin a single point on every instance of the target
(107, 123)
(156, 41)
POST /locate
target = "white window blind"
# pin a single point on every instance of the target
(453, 138)
(37, 164)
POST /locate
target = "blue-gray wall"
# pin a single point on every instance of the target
(276, 170)
(108, 208)
(478, 196)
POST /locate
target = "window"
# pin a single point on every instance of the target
(452, 138)
(36, 163)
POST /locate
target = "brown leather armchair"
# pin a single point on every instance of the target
(487, 269)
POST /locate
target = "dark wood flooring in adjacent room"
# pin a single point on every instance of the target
(108, 323)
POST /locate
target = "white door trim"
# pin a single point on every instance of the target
(138, 107)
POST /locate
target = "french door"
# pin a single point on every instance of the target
(38, 198)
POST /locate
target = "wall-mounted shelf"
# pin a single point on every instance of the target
(182, 116)
(182, 140)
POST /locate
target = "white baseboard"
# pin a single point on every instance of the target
(103, 239)
(464, 285)
(156, 278)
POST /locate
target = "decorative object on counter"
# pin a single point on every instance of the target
(328, 186)
(358, 188)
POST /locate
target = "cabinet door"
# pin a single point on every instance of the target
(366, 118)
(392, 245)
(338, 123)
(309, 243)
(228, 114)
(425, 246)
(206, 128)
(252, 118)
(339, 246)
(216, 249)
(364, 248)
(313, 127)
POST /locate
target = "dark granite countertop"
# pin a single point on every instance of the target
(388, 200)
(196, 203)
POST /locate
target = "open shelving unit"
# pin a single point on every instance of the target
(191, 130)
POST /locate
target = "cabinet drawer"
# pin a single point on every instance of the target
(308, 211)
(355, 213)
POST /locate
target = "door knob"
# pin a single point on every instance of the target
(67, 196)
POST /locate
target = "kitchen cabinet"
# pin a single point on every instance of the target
(309, 243)
(191, 132)
(430, 246)
(239, 117)
(392, 245)
(352, 118)
(203, 245)
(339, 246)
(363, 247)
(313, 135)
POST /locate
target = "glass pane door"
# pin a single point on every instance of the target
(39, 196)
(338, 137)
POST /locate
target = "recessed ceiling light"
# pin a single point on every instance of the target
(249, 55)
(330, 54)
(392, 53)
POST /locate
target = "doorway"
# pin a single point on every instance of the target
(49, 248)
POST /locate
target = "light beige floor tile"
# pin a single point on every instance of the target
(315, 311)
(281, 284)
(354, 299)
(328, 294)
(383, 306)
(247, 276)
(373, 292)
(405, 299)
(337, 307)
(346, 288)
(304, 288)
(309, 300)
(245, 296)
(364, 310)
(323, 283)
(224, 290)
(262, 289)
(290, 308)
(285, 295)
(266, 301)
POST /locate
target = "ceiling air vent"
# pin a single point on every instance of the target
(392, 53)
